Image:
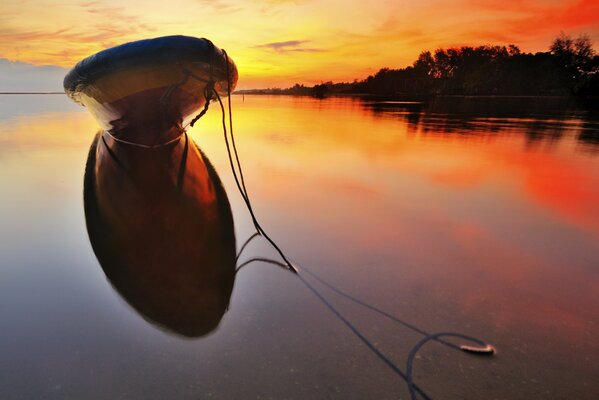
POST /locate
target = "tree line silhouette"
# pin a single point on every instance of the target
(570, 67)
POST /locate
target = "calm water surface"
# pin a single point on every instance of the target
(476, 216)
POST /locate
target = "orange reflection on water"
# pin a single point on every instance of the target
(568, 186)
(493, 213)
(485, 225)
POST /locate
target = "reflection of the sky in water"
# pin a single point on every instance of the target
(484, 224)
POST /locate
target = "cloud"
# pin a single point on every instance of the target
(220, 6)
(115, 19)
(19, 76)
(566, 16)
(288, 46)
(97, 27)
(274, 7)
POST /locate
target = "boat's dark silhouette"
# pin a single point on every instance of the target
(160, 224)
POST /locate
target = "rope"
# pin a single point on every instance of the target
(254, 235)
(470, 349)
(407, 376)
(237, 171)
(410, 363)
(238, 175)
(145, 146)
(347, 323)
(207, 96)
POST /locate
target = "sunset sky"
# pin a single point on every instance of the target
(281, 42)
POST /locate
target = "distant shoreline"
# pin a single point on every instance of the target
(423, 97)
(259, 92)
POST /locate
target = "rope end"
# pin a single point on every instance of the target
(488, 350)
(292, 268)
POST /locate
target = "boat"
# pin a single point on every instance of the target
(146, 92)
(157, 216)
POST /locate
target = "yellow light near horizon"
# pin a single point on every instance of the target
(279, 43)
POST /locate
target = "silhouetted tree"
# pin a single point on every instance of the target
(570, 67)
(320, 91)
(576, 60)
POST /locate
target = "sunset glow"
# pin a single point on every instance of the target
(281, 42)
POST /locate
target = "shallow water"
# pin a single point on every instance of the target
(476, 216)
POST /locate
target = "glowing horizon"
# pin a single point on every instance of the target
(277, 43)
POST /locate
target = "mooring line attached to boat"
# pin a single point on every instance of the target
(486, 349)
(378, 353)
(240, 183)
(207, 96)
(238, 176)
(435, 336)
(248, 240)
(183, 164)
(408, 375)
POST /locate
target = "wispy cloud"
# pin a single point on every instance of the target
(222, 6)
(288, 46)
(115, 20)
(99, 26)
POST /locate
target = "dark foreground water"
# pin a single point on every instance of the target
(476, 216)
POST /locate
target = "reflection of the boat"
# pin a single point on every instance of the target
(160, 224)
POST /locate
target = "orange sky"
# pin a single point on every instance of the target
(280, 42)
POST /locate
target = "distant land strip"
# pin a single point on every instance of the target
(569, 68)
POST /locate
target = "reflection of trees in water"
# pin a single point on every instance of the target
(410, 111)
(544, 121)
(589, 133)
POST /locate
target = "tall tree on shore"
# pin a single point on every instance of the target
(577, 61)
